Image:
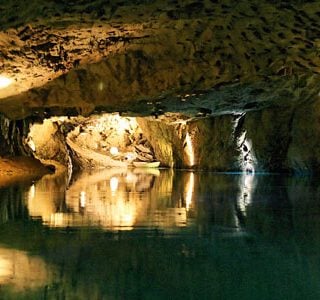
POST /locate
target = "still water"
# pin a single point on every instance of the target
(161, 234)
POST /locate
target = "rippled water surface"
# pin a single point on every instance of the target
(161, 234)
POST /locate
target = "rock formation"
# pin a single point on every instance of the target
(236, 82)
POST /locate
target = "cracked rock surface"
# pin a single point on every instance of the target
(83, 55)
(201, 63)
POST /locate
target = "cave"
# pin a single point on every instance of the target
(110, 140)
(158, 149)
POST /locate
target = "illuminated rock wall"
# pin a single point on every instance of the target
(279, 139)
(286, 139)
(269, 131)
(47, 142)
(206, 143)
(116, 53)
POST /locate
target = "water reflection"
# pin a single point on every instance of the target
(45, 198)
(189, 190)
(20, 271)
(137, 234)
(122, 199)
(247, 186)
(114, 199)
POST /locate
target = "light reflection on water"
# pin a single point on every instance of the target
(150, 234)
(22, 272)
(113, 199)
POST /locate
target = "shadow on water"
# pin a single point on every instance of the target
(150, 234)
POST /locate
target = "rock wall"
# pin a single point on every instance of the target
(304, 150)
(12, 137)
(275, 139)
(116, 53)
(278, 139)
(269, 132)
(204, 143)
(286, 139)
(47, 142)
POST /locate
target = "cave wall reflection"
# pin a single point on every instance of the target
(12, 205)
(126, 199)
(20, 271)
(114, 199)
(197, 229)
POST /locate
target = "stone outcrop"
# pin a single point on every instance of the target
(205, 143)
(115, 53)
(278, 139)
(47, 142)
(12, 136)
(220, 86)
(303, 151)
(274, 139)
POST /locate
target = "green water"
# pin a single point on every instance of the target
(134, 234)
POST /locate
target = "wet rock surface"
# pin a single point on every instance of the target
(224, 86)
(106, 141)
(278, 139)
(99, 141)
(275, 139)
(113, 54)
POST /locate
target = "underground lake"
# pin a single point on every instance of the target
(147, 233)
(159, 149)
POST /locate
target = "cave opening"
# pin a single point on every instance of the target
(98, 141)
(148, 149)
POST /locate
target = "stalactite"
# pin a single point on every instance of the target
(12, 136)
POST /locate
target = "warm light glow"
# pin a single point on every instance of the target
(4, 81)
(131, 178)
(114, 151)
(113, 199)
(114, 182)
(189, 149)
(32, 145)
(23, 272)
(58, 219)
(127, 219)
(82, 199)
(5, 268)
(190, 189)
(123, 124)
(130, 156)
(100, 86)
(32, 192)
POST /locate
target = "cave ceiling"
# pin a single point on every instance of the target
(150, 57)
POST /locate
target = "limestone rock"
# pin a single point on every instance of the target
(113, 55)
(219, 86)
